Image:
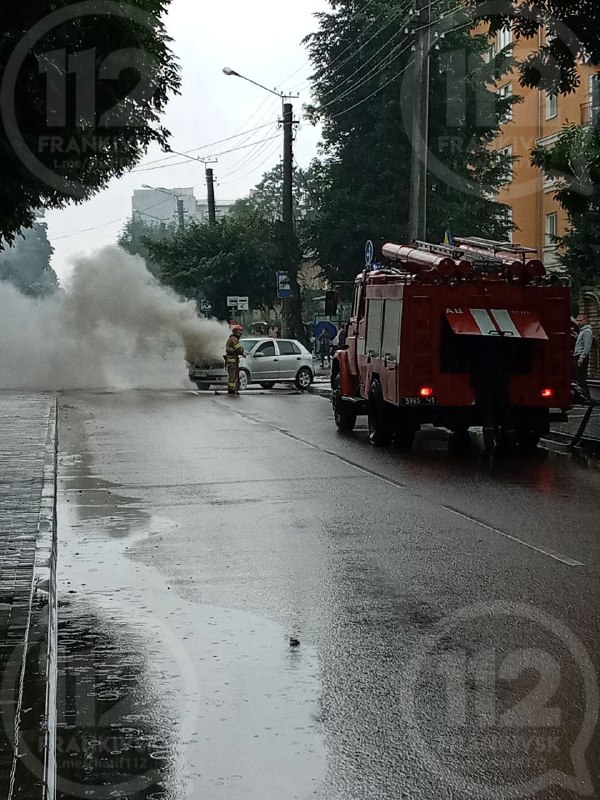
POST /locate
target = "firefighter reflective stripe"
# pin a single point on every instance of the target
(233, 348)
(495, 322)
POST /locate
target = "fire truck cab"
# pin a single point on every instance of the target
(475, 334)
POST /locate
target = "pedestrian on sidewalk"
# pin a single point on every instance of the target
(324, 347)
(581, 354)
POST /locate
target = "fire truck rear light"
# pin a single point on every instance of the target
(547, 393)
(426, 391)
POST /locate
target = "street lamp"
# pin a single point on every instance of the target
(232, 73)
(180, 206)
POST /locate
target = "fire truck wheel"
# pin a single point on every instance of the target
(343, 413)
(380, 424)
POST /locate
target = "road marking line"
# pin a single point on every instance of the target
(570, 562)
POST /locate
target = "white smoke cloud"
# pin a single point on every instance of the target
(114, 327)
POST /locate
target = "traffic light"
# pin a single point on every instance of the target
(331, 304)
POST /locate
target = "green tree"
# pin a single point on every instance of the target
(137, 235)
(237, 255)
(82, 96)
(266, 197)
(363, 86)
(572, 29)
(289, 254)
(574, 163)
(26, 264)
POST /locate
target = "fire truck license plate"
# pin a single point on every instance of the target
(418, 401)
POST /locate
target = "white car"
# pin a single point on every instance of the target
(267, 362)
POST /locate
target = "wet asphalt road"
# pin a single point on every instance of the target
(447, 610)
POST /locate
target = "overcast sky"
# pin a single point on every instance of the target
(262, 40)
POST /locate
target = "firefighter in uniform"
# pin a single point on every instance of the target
(233, 352)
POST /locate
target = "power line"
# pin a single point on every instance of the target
(376, 92)
(244, 162)
(371, 73)
(348, 47)
(252, 171)
(398, 13)
(394, 77)
(402, 47)
(205, 146)
(192, 158)
(87, 230)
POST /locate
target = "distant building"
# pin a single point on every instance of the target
(159, 206)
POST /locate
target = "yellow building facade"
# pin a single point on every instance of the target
(537, 120)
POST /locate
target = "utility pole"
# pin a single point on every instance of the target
(288, 160)
(181, 214)
(288, 193)
(288, 203)
(420, 131)
(210, 193)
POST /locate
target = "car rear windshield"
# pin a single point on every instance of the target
(248, 344)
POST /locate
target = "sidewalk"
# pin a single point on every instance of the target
(27, 596)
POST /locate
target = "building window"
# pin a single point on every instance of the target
(551, 106)
(594, 97)
(506, 93)
(507, 175)
(551, 229)
(504, 38)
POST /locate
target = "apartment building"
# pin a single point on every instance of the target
(159, 206)
(537, 119)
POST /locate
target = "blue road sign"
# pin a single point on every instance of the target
(284, 290)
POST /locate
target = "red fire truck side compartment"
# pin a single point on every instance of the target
(416, 342)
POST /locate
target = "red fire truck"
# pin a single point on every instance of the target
(473, 334)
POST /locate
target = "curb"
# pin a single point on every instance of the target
(320, 390)
(36, 716)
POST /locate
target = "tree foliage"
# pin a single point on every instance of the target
(27, 263)
(82, 96)
(363, 86)
(572, 30)
(266, 197)
(237, 255)
(573, 162)
(137, 235)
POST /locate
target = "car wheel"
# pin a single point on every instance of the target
(204, 387)
(303, 379)
(380, 424)
(268, 384)
(343, 413)
(244, 379)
